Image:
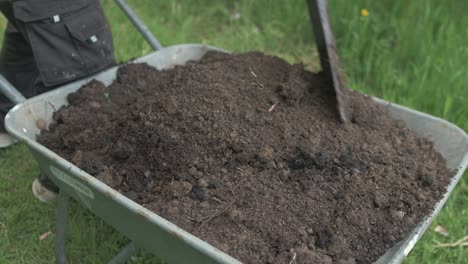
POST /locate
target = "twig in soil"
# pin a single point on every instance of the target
(216, 199)
(461, 242)
(293, 260)
(53, 107)
(233, 190)
(252, 72)
(216, 214)
(272, 107)
(259, 84)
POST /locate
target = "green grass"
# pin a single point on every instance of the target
(410, 52)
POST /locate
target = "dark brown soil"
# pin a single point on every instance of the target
(247, 152)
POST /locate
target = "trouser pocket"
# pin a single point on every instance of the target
(67, 45)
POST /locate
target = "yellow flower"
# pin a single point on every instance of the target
(364, 12)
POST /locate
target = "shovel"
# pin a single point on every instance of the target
(327, 51)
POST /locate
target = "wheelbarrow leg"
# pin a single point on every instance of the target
(124, 254)
(62, 219)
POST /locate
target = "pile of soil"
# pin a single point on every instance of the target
(247, 152)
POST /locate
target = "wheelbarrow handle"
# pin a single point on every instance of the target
(10, 91)
(152, 40)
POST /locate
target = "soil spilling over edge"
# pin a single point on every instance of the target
(247, 152)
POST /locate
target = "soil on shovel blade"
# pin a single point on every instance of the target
(247, 152)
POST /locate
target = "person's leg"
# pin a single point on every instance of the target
(44, 189)
(68, 40)
(18, 67)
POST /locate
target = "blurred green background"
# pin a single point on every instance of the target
(410, 52)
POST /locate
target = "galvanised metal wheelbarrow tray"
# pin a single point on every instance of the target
(146, 229)
(151, 232)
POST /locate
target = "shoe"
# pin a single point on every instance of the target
(44, 189)
(6, 140)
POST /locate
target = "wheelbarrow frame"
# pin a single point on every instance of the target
(170, 242)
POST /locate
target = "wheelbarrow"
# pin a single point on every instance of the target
(146, 229)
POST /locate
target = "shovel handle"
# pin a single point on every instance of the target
(327, 50)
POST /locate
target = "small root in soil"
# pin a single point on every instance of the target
(207, 219)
